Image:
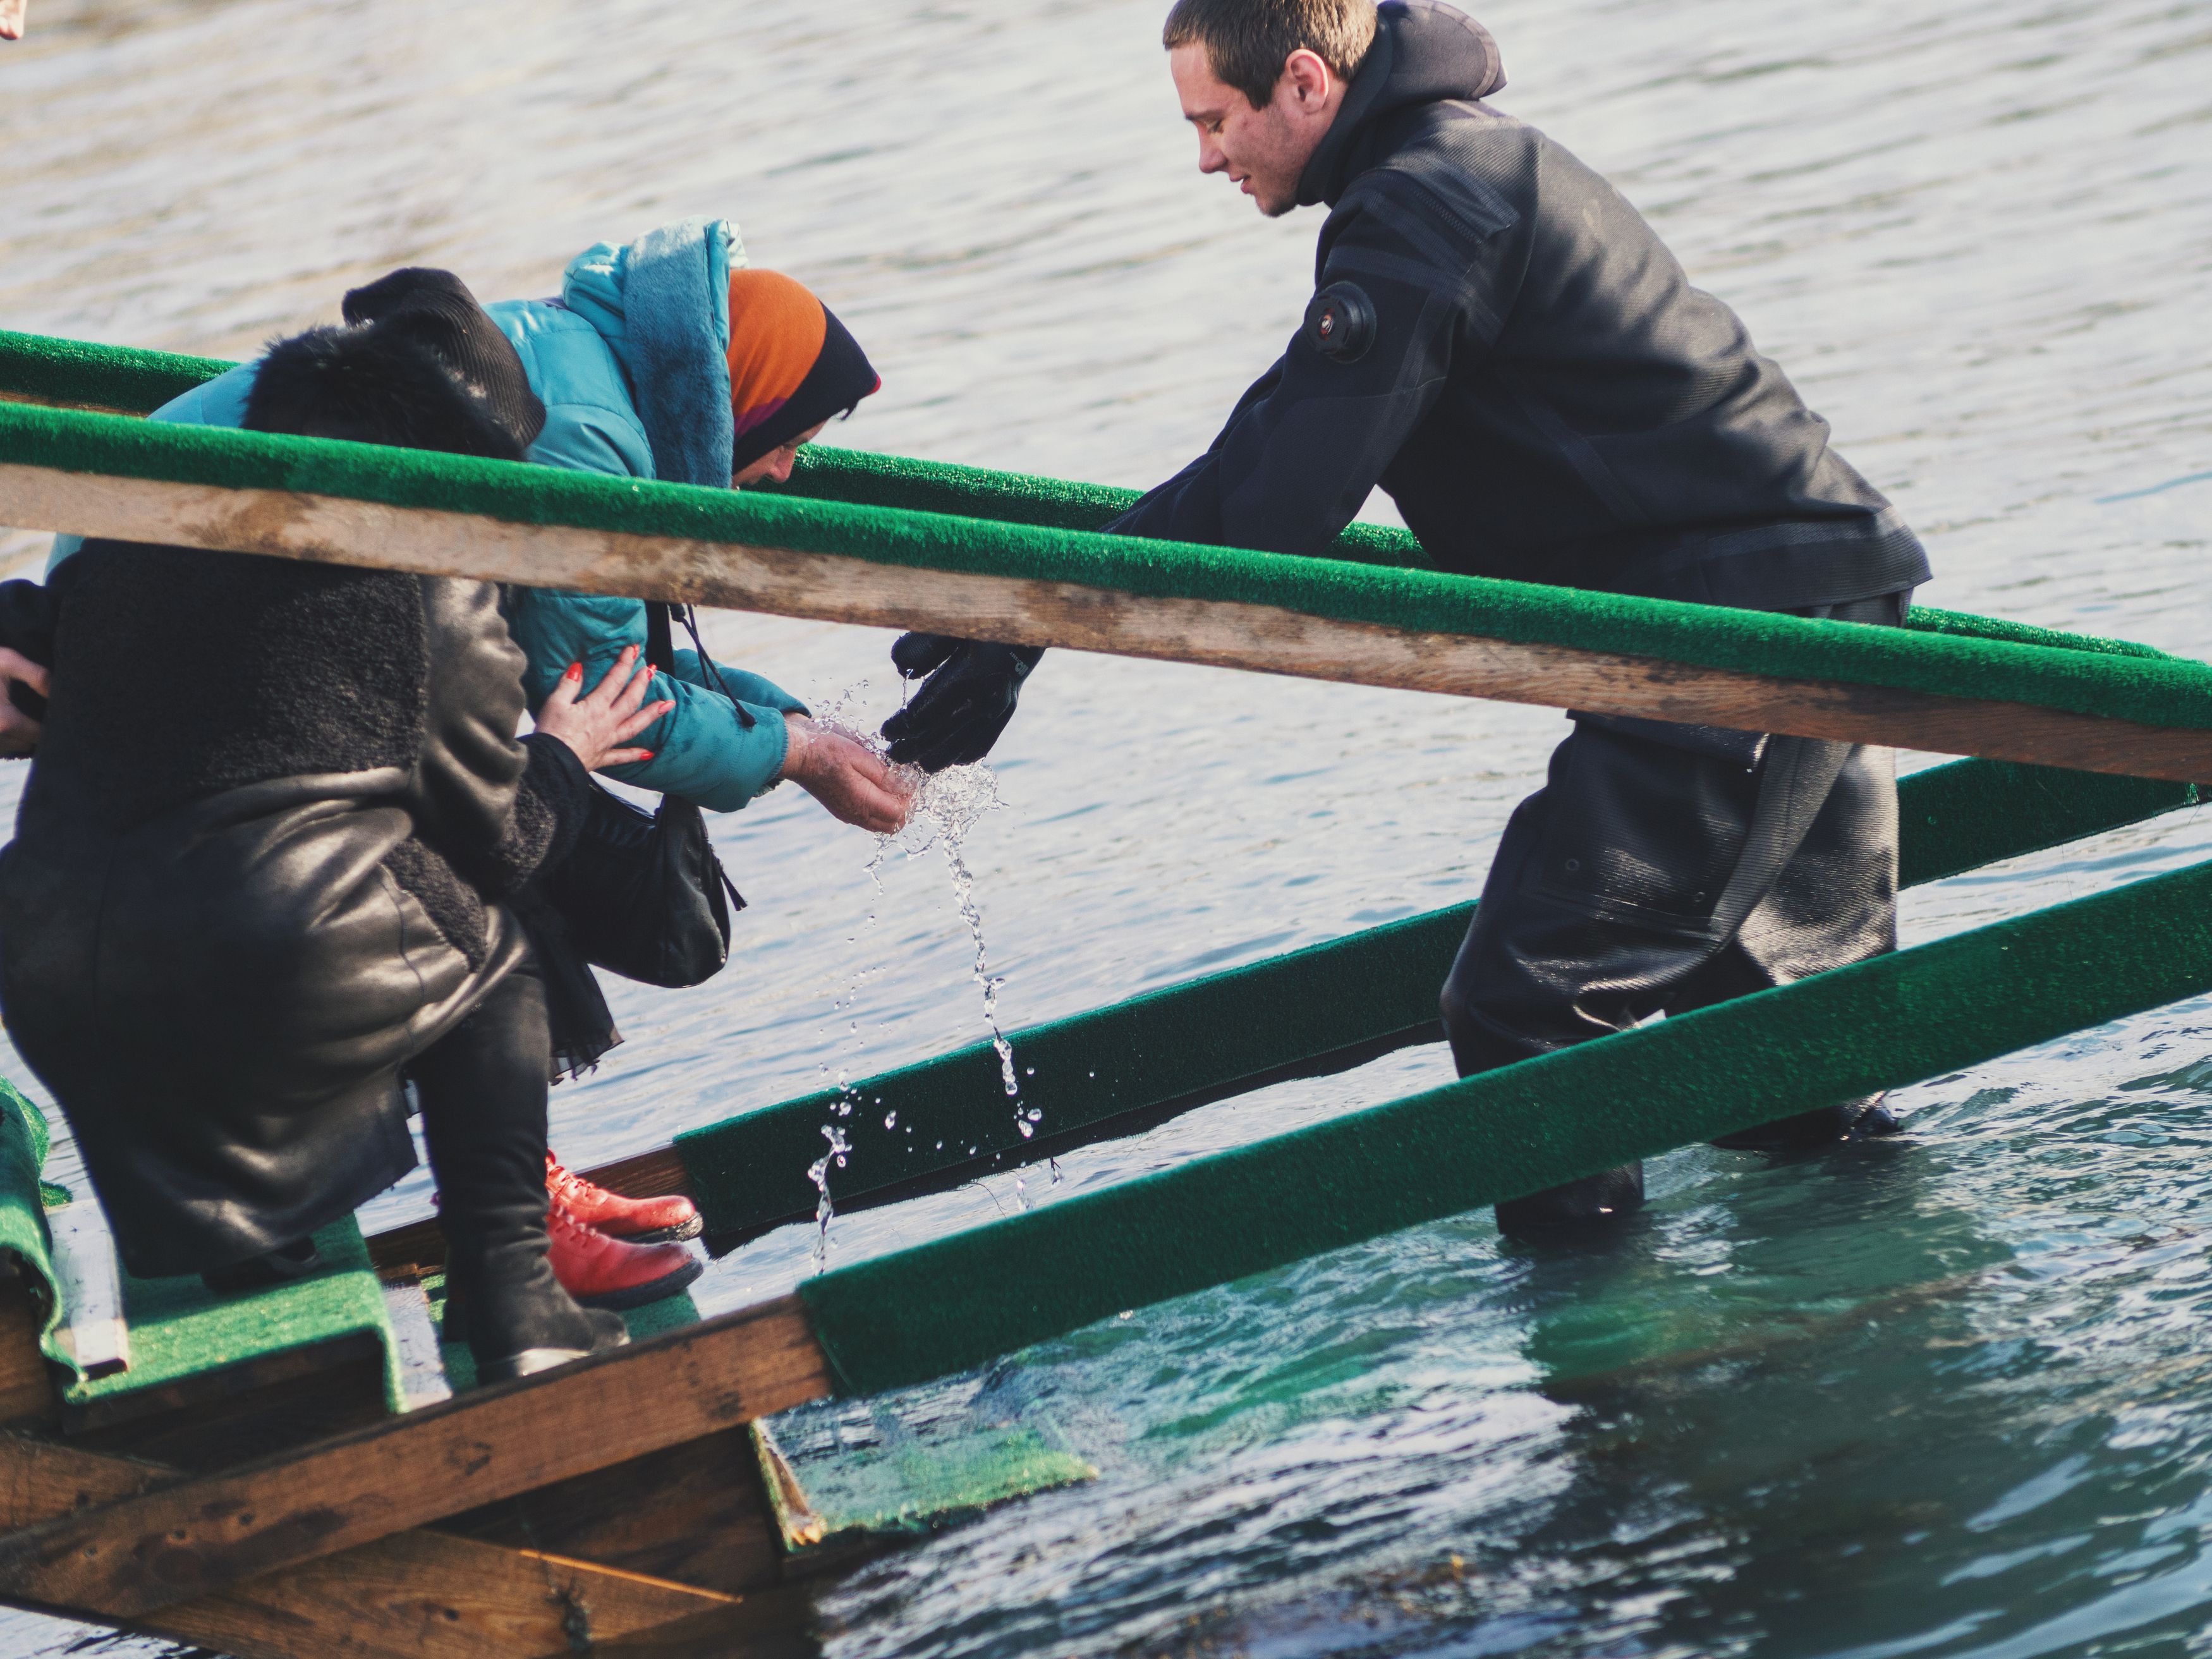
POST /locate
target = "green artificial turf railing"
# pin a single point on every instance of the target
(2081, 677)
(125, 379)
(1307, 1012)
(963, 1300)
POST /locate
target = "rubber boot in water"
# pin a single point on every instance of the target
(1863, 1118)
(1580, 1207)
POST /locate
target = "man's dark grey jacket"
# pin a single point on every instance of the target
(1544, 395)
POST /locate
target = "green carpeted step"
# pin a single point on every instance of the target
(125, 378)
(180, 1329)
(99, 376)
(947, 1306)
(1313, 1010)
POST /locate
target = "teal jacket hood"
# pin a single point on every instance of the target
(662, 305)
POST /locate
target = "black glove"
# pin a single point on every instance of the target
(970, 696)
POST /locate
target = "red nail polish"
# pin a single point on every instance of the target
(648, 754)
(576, 671)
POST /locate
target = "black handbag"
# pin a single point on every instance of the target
(642, 893)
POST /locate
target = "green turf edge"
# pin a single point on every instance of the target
(2154, 691)
(866, 479)
(24, 1234)
(960, 1301)
(113, 377)
(749, 1172)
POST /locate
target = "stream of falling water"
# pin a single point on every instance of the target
(947, 805)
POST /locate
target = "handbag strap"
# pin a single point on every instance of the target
(660, 636)
(661, 651)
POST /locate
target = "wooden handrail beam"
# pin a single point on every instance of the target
(786, 581)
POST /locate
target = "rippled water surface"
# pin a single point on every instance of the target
(1942, 1396)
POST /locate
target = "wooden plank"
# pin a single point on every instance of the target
(93, 1332)
(8, 397)
(784, 581)
(225, 1416)
(202, 1535)
(426, 1596)
(695, 1512)
(416, 1596)
(27, 1396)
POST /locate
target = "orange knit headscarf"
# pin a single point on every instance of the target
(776, 331)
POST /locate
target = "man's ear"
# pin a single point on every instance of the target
(1307, 78)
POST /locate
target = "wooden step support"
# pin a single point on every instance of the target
(414, 1595)
(793, 582)
(566, 1506)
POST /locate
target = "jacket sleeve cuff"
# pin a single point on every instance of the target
(706, 753)
(550, 809)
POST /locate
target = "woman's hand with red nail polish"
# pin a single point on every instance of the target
(598, 725)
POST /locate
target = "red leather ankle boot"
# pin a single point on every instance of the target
(603, 1272)
(637, 1220)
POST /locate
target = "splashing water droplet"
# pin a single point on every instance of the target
(819, 1173)
(891, 1122)
(947, 805)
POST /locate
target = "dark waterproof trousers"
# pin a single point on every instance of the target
(1663, 868)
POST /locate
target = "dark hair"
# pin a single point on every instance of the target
(1247, 41)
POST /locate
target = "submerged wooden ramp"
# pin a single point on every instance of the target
(621, 1505)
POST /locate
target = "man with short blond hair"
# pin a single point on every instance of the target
(1500, 340)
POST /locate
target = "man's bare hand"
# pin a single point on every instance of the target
(19, 732)
(858, 786)
(11, 20)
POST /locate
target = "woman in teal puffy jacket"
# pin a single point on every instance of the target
(643, 375)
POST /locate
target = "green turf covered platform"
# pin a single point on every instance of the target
(847, 1478)
(180, 1330)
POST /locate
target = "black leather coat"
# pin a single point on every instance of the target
(1542, 391)
(258, 868)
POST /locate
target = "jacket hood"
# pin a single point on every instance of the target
(1424, 53)
(662, 304)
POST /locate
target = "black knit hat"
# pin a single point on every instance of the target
(841, 376)
(436, 309)
(374, 385)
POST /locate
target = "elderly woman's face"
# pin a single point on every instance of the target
(775, 465)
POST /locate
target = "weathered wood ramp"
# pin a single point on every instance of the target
(612, 1507)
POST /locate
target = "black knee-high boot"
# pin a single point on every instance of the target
(483, 1090)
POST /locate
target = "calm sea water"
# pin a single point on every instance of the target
(1942, 1396)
